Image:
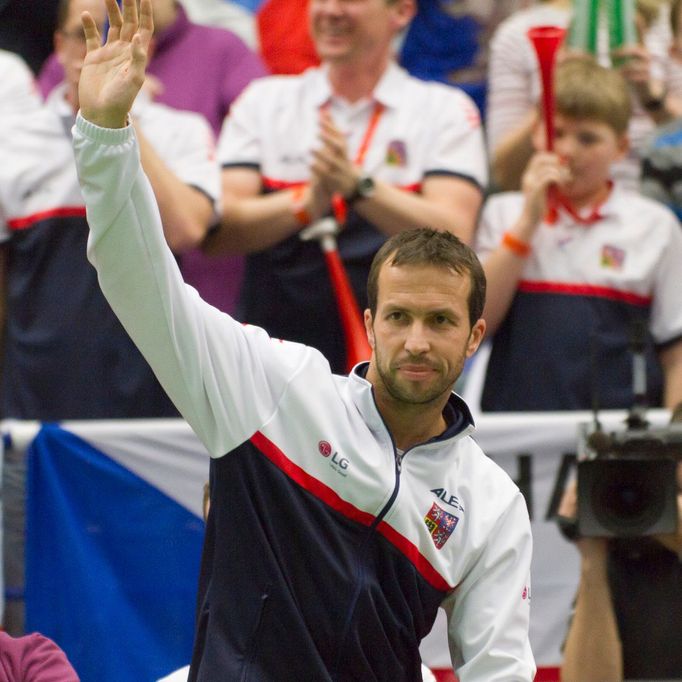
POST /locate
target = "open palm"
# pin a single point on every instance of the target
(113, 73)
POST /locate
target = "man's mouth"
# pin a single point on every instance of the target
(416, 370)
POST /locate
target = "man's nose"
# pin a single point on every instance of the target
(417, 341)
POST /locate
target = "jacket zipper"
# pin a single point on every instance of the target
(398, 461)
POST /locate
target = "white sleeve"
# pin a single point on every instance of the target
(512, 88)
(240, 140)
(457, 141)
(186, 144)
(226, 379)
(491, 226)
(489, 611)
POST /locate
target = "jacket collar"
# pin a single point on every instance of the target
(362, 394)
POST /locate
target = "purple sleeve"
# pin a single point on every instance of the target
(51, 74)
(34, 658)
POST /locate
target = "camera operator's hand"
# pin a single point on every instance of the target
(592, 549)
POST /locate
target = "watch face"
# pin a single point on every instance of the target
(365, 187)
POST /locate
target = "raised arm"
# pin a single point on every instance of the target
(504, 261)
(224, 378)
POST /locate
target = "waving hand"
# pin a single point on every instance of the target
(113, 73)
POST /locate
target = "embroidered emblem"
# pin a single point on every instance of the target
(612, 257)
(396, 153)
(440, 524)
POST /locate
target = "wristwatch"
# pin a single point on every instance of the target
(364, 189)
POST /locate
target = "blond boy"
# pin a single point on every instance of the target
(573, 260)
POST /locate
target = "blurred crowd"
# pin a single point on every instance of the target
(255, 125)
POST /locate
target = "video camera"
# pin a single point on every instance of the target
(627, 483)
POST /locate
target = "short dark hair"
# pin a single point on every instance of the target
(425, 246)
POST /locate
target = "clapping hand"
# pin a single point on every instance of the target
(113, 73)
(331, 163)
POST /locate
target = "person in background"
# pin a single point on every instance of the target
(662, 155)
(514, 86)
(18, 91)
(64, 353)
(201, 69)
(430, 50)
(396, 151)
(192, 67)
(625, 623)
(328, 548)
(232, 15)
(33, 658)
(570, 277)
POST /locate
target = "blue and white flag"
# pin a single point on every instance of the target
(113, 548)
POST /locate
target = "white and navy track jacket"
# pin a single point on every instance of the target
(326, 555)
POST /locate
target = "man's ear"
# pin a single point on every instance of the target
(403, 13)
(368, 327)
(476, 335)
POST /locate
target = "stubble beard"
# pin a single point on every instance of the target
(410, 396)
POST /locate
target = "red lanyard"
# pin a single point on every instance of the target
(594, 216)
(369, 133)
(339, 206)
(377, 112)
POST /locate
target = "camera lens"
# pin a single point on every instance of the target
(624, 498)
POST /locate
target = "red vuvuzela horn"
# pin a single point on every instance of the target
(546, 41)
(355, 337)
(357, 345)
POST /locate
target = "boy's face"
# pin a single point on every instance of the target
(588, 148)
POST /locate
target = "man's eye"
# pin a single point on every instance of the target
(395, 315)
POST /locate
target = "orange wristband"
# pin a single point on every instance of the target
(515, 245)
(298, 208)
